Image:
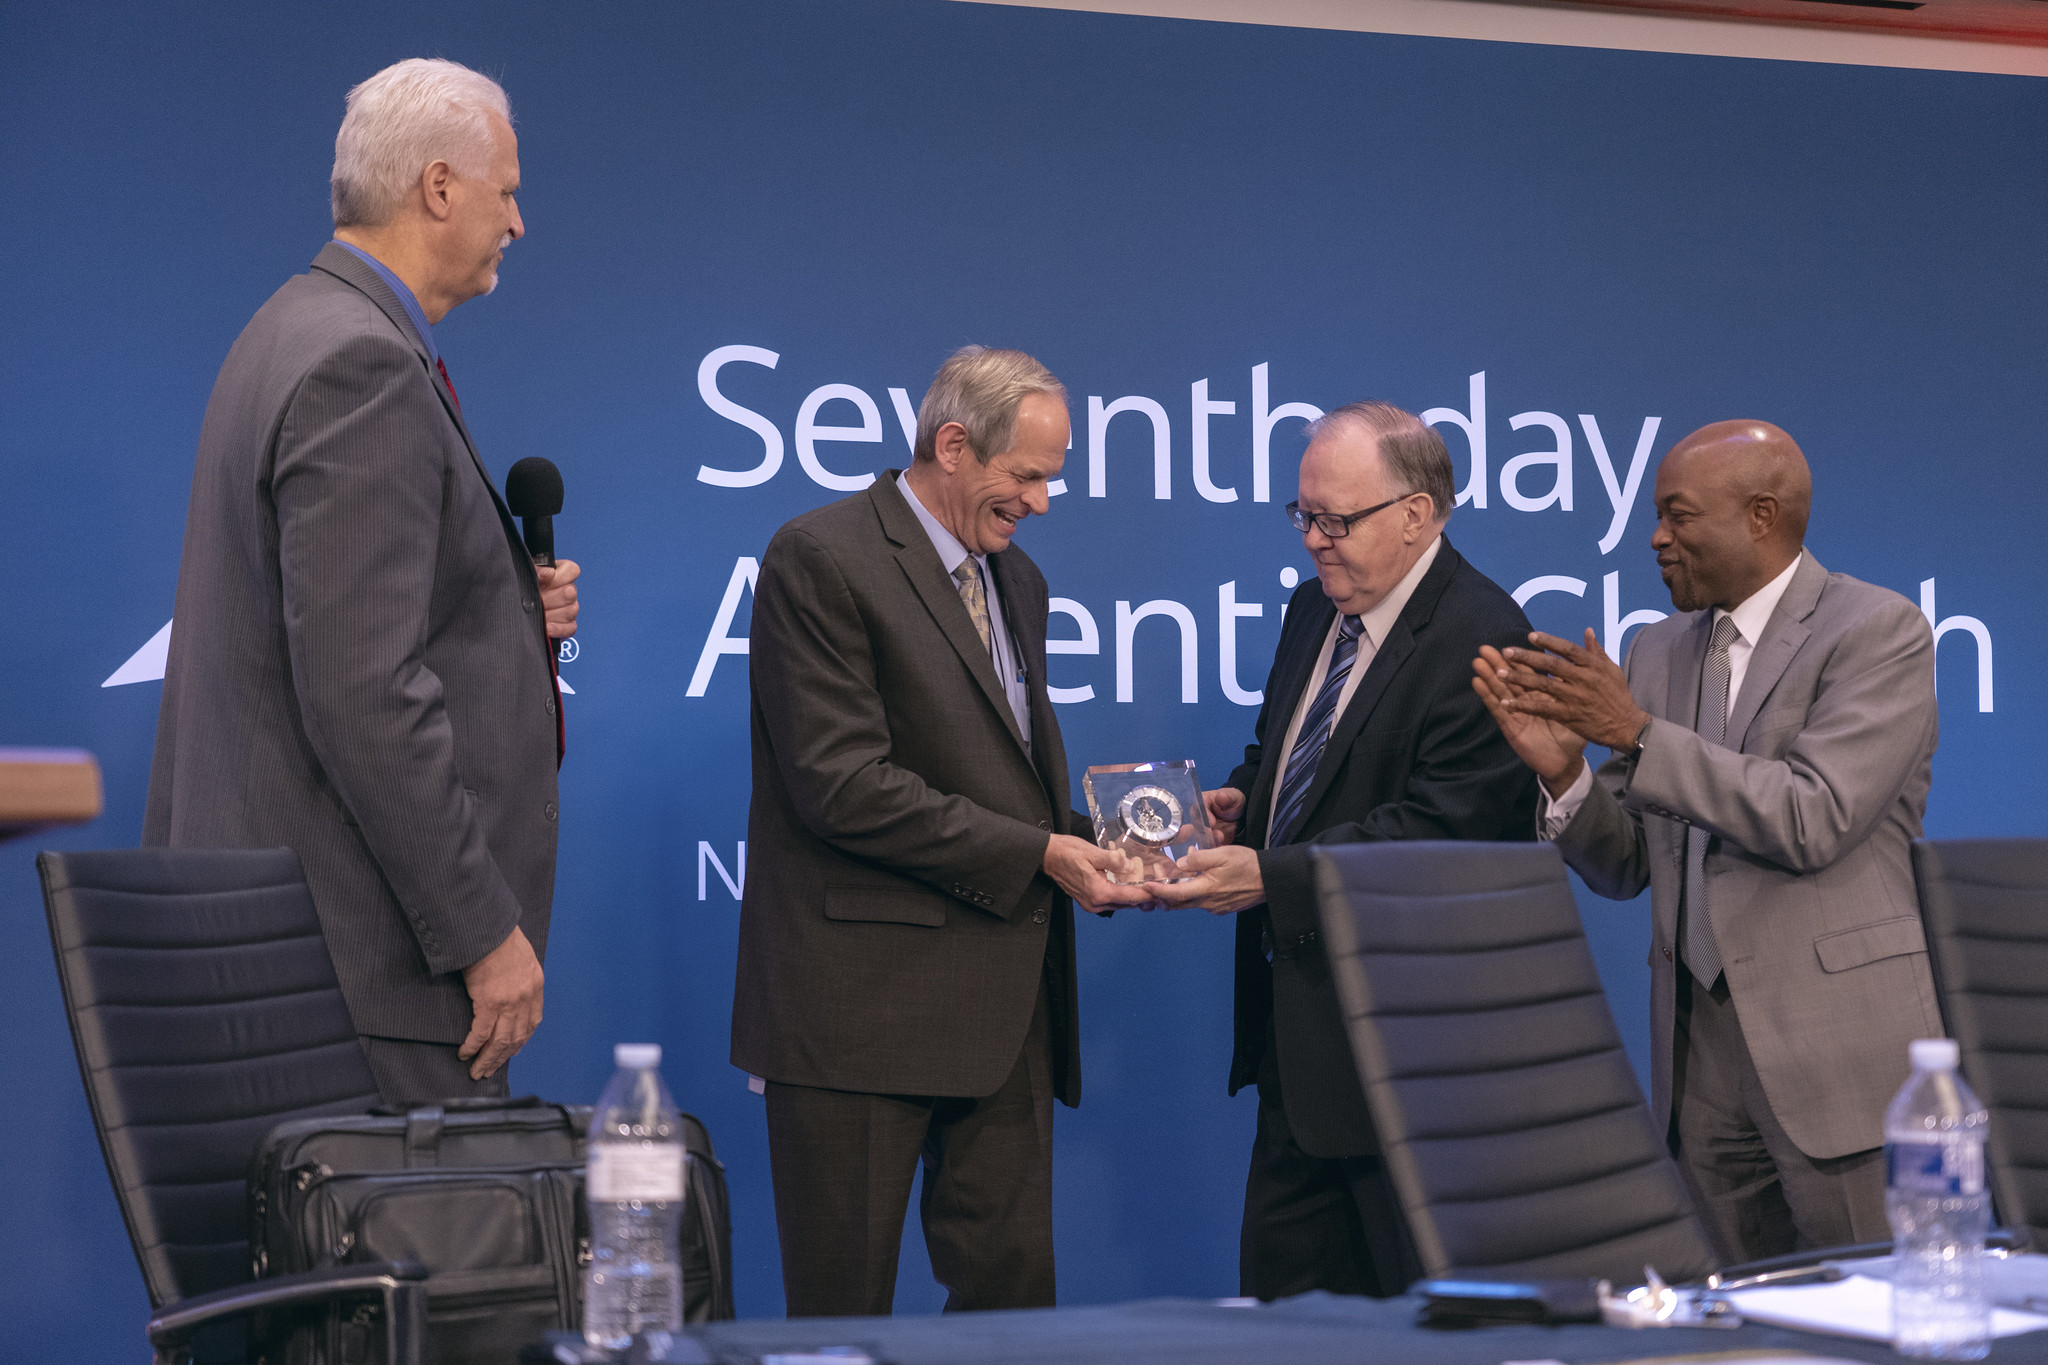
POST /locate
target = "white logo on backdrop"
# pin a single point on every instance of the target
(1623, 486)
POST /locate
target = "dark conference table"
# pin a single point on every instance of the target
(1315, 1329)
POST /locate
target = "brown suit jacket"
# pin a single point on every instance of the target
(896, 921)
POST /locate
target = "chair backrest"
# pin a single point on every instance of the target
(1510, 1118)
(1985, 905)
(205, 1011)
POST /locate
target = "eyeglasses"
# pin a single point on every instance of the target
(1335, 525)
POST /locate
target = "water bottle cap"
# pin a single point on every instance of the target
(636, 1056)
(1935, 1054)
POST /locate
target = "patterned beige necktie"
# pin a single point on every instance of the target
(973, 594)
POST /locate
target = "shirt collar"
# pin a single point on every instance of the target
(951, 551)
(1753, 613)
(405, 298)
(1375, 623)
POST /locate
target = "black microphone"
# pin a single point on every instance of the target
(533, 490)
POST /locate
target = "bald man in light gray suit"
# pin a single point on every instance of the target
(1772, 750)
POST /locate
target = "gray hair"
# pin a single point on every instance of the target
(1411, 451)
(981, 388)
(402, 120)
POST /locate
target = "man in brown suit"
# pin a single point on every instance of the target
(906, 957)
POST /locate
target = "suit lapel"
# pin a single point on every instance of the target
(346, 266)
(1386, 662)
(1783, 635)
(1023, 603)
(940, 594)
(1688, 657)
(1310, 616)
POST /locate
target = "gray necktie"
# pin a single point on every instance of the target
(1696, 928)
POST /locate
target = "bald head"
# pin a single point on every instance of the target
(1732, 503)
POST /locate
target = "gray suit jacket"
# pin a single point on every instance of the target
(359, 669)
(896, 921)
(1812, 807)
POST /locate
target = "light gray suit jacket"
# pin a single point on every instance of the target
(1813, 806)
(359, 669)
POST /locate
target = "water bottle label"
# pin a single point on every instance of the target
(1935, 1167)
(653, 1173)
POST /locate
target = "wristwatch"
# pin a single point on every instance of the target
(1635, 750)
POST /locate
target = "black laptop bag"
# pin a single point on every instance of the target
(487, 1195)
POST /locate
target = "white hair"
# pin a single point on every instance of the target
(981, 388)
(400, 121)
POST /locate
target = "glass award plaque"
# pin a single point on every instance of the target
(1151, 812)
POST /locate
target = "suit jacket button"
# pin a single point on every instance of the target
(1038, 916)
(551, 706)
(527, 605)
(1667, 954)
(1045, 824)
(551, 810)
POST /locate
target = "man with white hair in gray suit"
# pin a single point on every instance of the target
(361, 667)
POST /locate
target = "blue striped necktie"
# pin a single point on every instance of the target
(1314, 734)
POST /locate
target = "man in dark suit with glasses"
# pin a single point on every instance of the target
(1370, 730)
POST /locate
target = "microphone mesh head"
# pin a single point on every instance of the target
(533, 488)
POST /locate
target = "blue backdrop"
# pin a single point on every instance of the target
(755, 230)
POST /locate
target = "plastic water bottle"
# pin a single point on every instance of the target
(1934, 1196)
(634, 1286)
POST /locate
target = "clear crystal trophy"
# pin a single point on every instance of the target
(1152, 813)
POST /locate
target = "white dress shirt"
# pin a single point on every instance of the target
(1751, 615)
(1373, 628)
(1002, 647)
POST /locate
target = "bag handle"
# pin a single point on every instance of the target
(464, 1104)
(423, 1136)
(418, 1118)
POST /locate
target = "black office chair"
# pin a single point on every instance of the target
(205, 1011)
(1513, 1128)
(1985, 905)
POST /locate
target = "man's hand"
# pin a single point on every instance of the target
(1082, 871)
(1226, 811)
(558, 596)
(1552, 750)
(1228, 881)
(504, 994)
(1579, 688)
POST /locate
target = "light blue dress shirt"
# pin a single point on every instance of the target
(1002, 645)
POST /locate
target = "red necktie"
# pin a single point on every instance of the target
(442, 366)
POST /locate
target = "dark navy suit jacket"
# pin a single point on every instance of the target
(1414, 756)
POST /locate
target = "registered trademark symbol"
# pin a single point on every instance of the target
(567, 651)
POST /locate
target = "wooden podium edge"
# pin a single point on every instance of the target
(44, 788)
